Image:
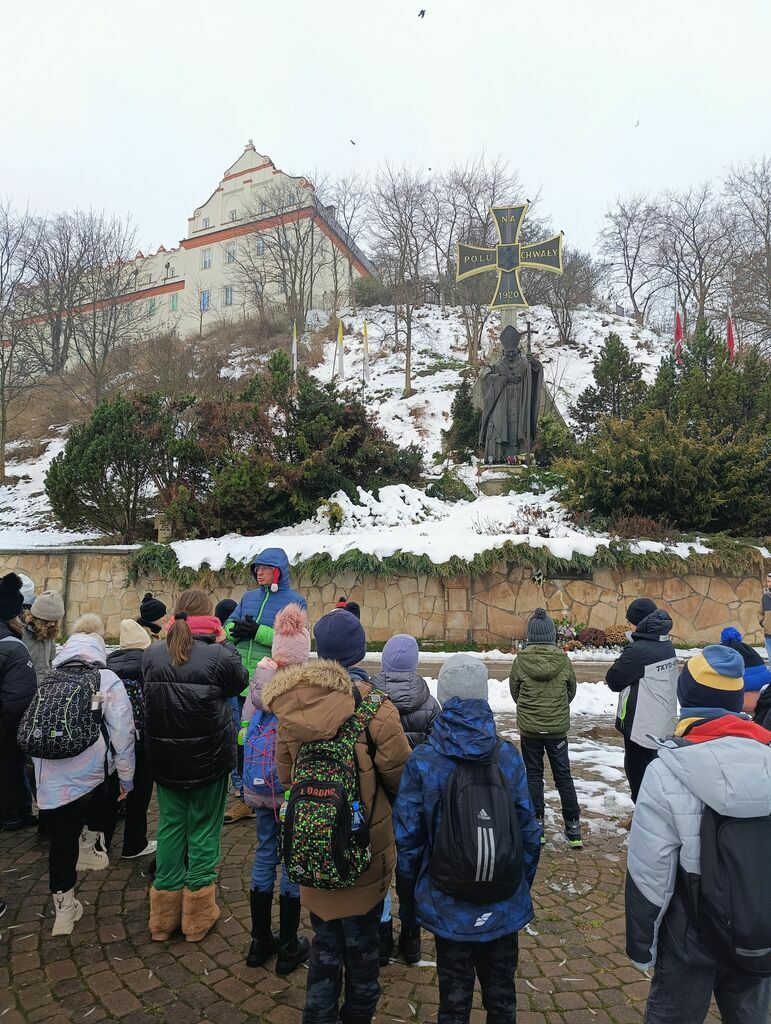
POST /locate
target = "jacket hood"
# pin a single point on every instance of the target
(277, 559)
(732, 775)
(541, 661)
(407, 690)
(87, 647)
(311, 701)
(655, 626)
(464, 729)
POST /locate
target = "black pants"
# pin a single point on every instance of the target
(494, 963)
(559, 761)
(636, 760)
(65, 824)
(15, 799)
(350, 943)
(102, 812)
(137, 802)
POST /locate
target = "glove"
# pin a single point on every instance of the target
(244, 629)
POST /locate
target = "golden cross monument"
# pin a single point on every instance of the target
(509, 257)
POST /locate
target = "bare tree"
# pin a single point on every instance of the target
(628, 242)
(398, 226)
(748, 191)
(109, 311)
(576, 286)
(697, 237)
(19, 233)
(200, 301)
(348, 194)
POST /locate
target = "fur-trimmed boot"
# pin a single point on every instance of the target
(199, 912)
(165, 913)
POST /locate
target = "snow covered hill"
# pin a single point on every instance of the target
(440, 353)
(439, 356)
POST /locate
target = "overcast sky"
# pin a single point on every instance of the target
(140, 107)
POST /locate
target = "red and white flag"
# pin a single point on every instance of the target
(678, 338)
(730, 337)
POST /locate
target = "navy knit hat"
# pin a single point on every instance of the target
(638, 609)
(340, 637)
(713, 679)
(400, 654)
(541, 628)
(224, 609)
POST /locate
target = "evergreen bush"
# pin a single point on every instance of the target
(462, 437)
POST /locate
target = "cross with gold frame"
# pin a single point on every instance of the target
(509, 257)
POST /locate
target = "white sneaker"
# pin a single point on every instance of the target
(92, 857)
(151, 847)
(68, 911)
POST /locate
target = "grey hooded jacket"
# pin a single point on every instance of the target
(417, 708)
(733, 776)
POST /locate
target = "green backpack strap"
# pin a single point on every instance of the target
(366, 709)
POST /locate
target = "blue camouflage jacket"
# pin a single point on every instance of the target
(464, 729)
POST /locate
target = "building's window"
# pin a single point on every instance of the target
(263, 207)
(234, 215)
(227, 295)
(151, 307)
(259, 246)
(204, 301)
(172, 270)
(206, 222)
(129, 313)
(230, 252)
(206, 258)
(174, 303)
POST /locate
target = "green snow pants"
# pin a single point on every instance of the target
(190, 823)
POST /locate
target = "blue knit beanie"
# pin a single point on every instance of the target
(713, 679)
(400, 654)
(730, 633)
(340, 637)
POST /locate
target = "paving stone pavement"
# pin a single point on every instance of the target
(573, 969)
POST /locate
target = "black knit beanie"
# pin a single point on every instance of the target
(11, 600)
(150, 610)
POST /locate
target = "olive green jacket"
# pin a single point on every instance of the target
(543, 684)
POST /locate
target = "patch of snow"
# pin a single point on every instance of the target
(590, 699)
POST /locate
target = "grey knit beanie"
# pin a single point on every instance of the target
(48, 606)
(541, 628)
(462, 676)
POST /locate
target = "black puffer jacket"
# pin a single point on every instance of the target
(763, 708)
(18, 680)
(190, 736)
(417, 708)
(126, 664)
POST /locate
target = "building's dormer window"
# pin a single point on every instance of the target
(233, 215)
(206, 222)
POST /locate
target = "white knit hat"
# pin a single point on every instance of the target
(133, 637)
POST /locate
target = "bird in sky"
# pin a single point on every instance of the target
(637, 124)
(422, 12)
(352, 142)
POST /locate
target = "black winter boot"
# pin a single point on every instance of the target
(291, 951)
(409, 945)
(264, 940)
(385, 942)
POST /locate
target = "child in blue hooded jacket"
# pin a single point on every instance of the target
(472, 939)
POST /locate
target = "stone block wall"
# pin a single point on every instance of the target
(490, 609)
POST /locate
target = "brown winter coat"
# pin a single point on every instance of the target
(311, 702)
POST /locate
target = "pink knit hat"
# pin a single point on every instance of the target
(291, 640)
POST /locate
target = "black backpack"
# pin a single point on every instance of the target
(732, 910)
(477, 854)
(61, 721)
(136, 696)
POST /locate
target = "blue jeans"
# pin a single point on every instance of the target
(237, 706)
(266, 856)
(386, 915)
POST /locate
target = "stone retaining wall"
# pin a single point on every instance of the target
(490, 609)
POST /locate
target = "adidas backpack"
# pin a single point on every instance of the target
(478, 852)
(325, 841)
(732, 912)
(260, 774)
(65, 716)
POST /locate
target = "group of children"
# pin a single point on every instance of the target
(349, 778)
